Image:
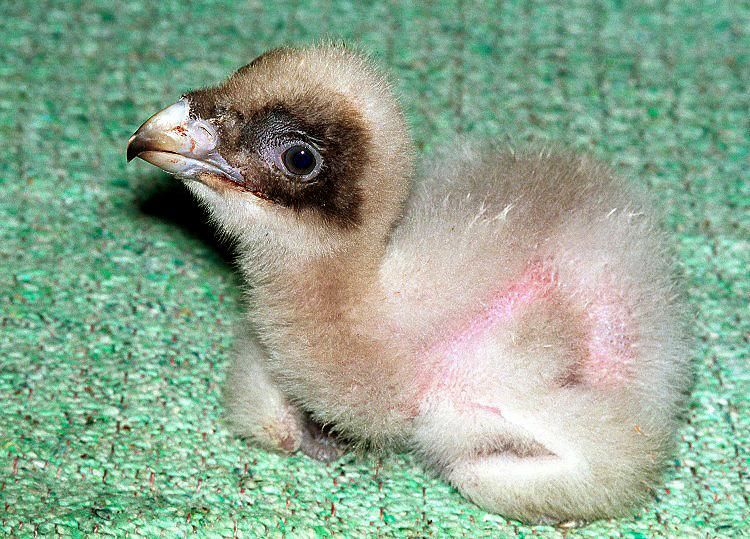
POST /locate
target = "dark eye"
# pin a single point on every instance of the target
(300, 159)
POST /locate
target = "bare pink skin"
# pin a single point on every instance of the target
(503, 306)
(609, 340)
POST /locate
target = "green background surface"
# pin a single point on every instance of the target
(117, 305)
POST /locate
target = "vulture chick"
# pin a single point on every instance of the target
(510, 316)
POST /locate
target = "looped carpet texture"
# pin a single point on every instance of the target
(117, 305)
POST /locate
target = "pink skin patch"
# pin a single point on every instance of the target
(609, 346)
(534, 285)
(611, 349)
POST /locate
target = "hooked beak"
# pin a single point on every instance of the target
(180, 145)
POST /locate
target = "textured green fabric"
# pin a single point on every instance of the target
(117, 306)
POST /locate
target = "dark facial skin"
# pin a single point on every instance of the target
(330, 131)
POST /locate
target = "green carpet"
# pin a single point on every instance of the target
(117, 305)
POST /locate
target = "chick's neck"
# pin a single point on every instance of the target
(331, 337)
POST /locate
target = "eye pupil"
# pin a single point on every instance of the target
(299, 160)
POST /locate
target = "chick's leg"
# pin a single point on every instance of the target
(257, 409)
(566, 456)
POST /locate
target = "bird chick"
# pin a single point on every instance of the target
(507, 315)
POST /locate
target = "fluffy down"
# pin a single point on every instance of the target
(511, 316)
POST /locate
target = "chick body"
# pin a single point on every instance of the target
(520, 332)
(558, 364)
(511, 317)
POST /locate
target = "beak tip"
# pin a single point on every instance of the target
(133, 148)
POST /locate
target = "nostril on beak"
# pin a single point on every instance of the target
(180, 145)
